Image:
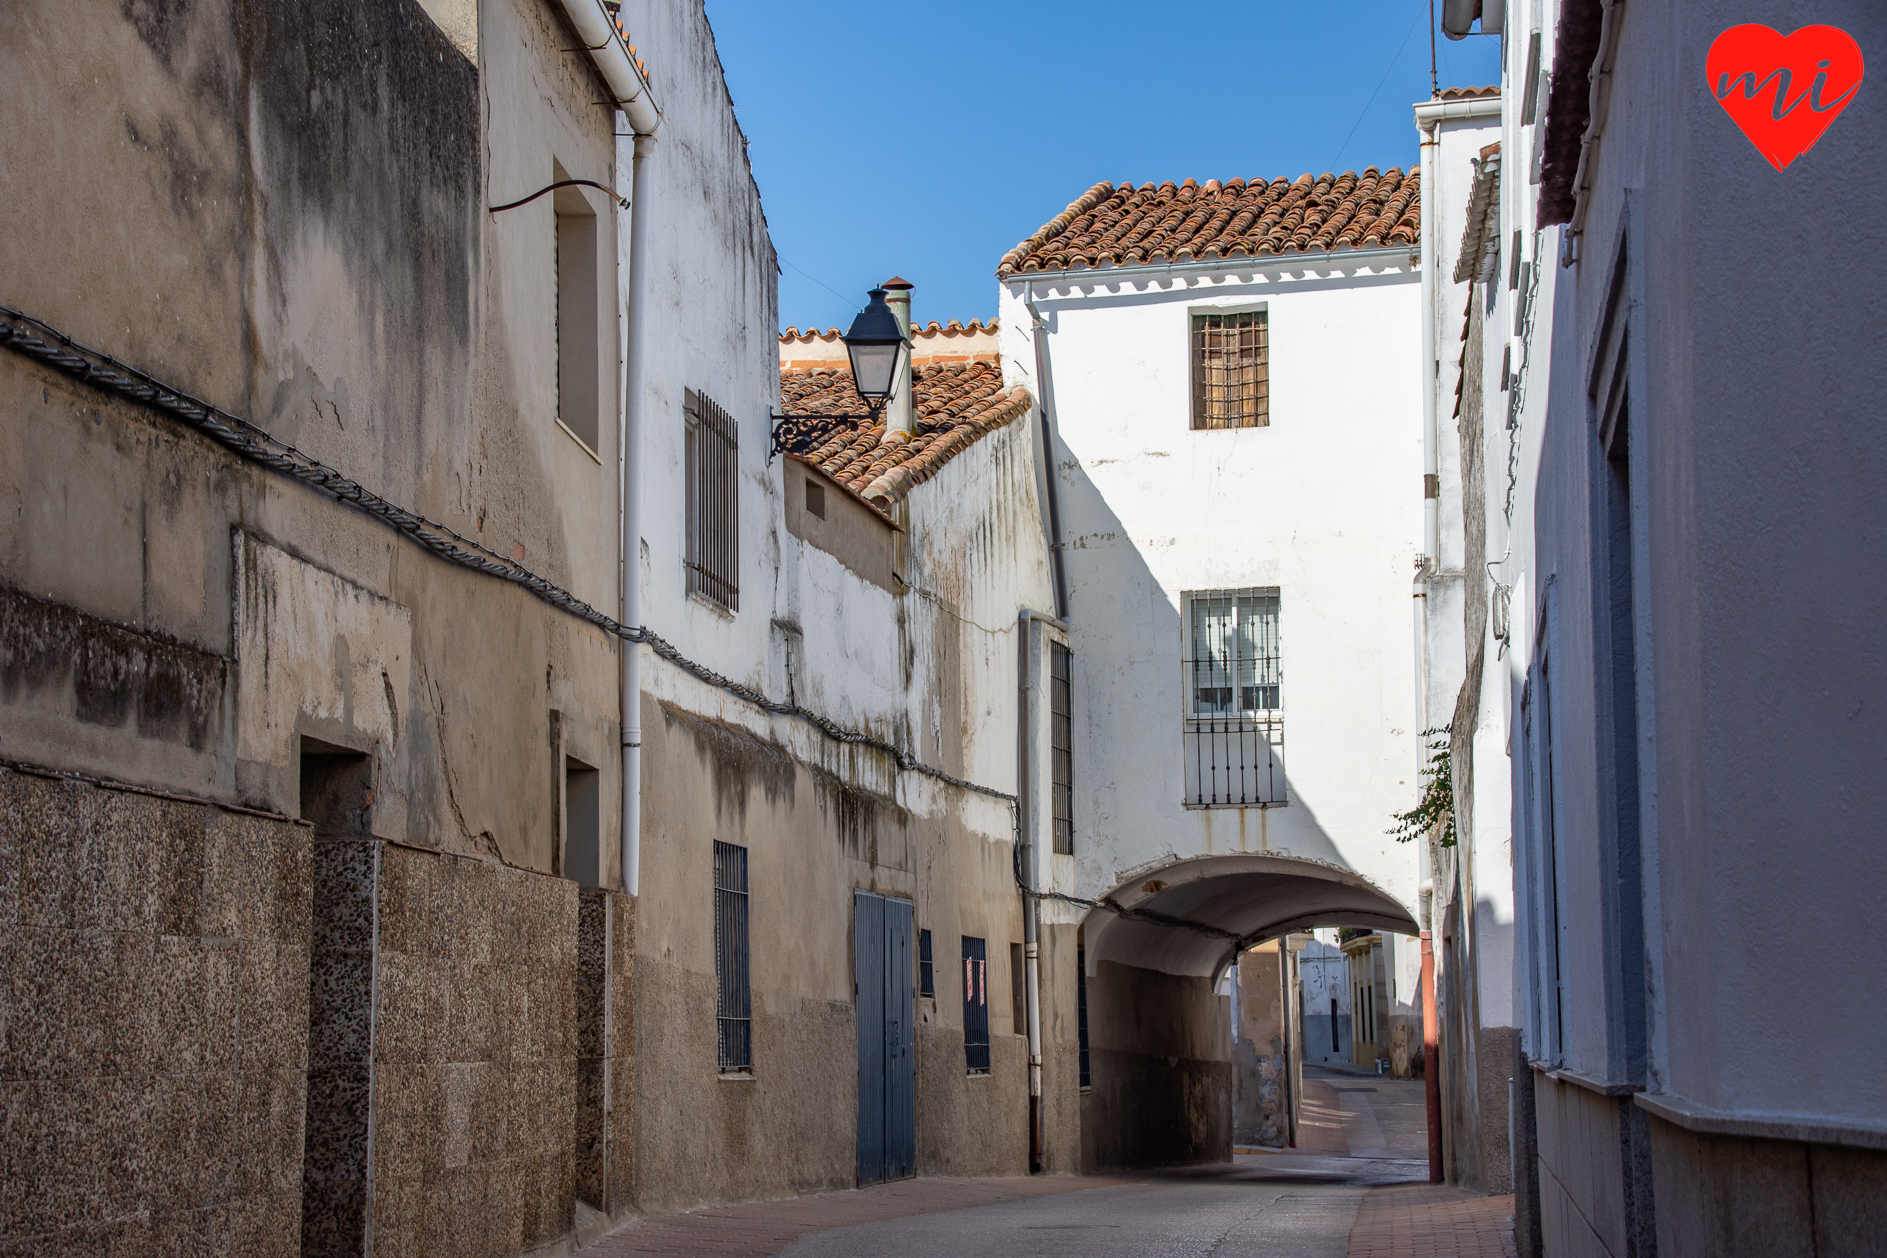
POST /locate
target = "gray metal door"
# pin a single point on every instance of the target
(887, 1059)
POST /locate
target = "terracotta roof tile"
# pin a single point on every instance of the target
(957, 404)
(1469, 93)
(1125, 225)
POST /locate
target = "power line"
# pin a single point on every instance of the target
(1336, 165)
(102, 371)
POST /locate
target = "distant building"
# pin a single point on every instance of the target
(1324, 997)
(1232, 380)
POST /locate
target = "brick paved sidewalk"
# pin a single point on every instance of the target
(1432, 1221)
(766, 1227)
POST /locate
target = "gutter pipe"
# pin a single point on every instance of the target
(1431, 377)
(631, 399)
(623, 76)
(1028, 704)
(609, 52)
(1038, 336)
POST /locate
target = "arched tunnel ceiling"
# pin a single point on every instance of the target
(1253, 898)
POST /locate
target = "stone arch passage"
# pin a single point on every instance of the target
(1159, 1036)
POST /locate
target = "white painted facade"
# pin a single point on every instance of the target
(1323, 505)
(1323, 972)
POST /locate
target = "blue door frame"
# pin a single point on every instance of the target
(882, 939)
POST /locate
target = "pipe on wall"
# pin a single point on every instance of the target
(1038, 336)
(633, 359)
(1431, 375)
(1028, 705)
(610, 54)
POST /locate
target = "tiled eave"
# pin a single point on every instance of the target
(1372, 258)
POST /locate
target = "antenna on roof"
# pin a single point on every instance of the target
(1434, 84)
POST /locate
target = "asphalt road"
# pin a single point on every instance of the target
(1262, 1206)
(1355, 1133)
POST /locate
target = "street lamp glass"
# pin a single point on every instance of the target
(876, 344)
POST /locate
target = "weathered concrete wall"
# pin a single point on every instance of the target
(1261, 1064)
(789, 1125)
(1162, 1075)
(153, 1012)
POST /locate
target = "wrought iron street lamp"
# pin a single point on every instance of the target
(876, 345)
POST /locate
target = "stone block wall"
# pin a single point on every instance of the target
(153, 1011)
(475, 1074)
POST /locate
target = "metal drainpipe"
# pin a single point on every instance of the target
(632, 404)
(1038, 334)
(1431, 520)
(1028, 700)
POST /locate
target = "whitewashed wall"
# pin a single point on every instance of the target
(1325, 504)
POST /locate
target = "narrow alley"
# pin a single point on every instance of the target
(1355, 1187)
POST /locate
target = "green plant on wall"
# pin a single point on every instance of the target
(1436, 807)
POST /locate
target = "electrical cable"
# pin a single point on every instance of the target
(245, 438)
(617, 197)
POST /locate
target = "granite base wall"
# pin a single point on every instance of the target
(153, 1016)
(159, 1087)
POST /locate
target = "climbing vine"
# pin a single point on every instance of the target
(1436, 807)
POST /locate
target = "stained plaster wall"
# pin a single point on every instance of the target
(281, 210)
(1755, 476)
(933, 668)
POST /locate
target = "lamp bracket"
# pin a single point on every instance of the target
(799, 434)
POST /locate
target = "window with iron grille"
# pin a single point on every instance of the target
(1234, 735)
(735, 1004)
(1231, 370)
(975, 1006)
(926, 971)
(1081, 1012)
(1061, 736)
(713, 559)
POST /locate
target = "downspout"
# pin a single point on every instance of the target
(1028, 701)
(1431, 466)
(632, 406)
(1038, 334)
(603, 38)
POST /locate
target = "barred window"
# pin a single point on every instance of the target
(735, 1004)
(926, 970)
(713, 559)
(1231, 370)
(1234, 732)
(1061, 736)
(975, 1006)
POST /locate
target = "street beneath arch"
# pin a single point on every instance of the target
(1356, 1187)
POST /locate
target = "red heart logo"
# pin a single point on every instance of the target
(1784, 91)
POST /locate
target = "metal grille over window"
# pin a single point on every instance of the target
(735, 1006)
(926, 975)
(1231, 371)
(975, 1006)
(1061, 735)
(1234, 711)
(713, 560)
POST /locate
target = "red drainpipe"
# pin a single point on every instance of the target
(1431, 1060)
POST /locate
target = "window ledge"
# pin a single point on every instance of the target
(1276, 803)
(581, 443)
(977, 1074)
(736, 1076)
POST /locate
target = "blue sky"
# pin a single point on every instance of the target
(926, 140)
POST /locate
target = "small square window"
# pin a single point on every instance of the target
(815, 498)
(1231, 370)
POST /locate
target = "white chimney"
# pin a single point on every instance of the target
(900, 414)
